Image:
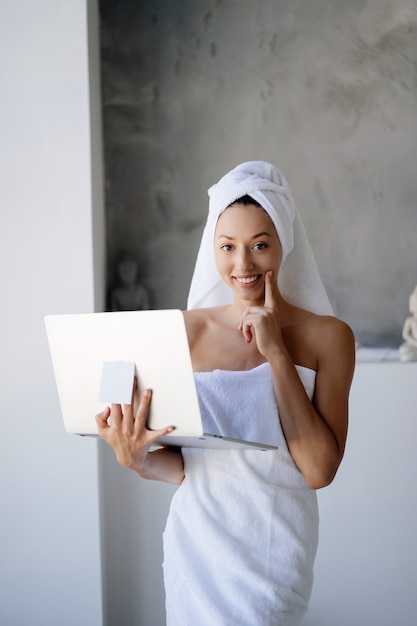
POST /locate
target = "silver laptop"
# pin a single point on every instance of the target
(97, 355)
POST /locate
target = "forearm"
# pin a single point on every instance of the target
(164, 464)
(311, 442)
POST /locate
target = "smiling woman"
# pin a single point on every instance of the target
(268, 356)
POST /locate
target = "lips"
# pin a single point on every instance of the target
(247, 280)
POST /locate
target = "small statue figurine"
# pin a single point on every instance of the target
(128, 296)
(408, 350)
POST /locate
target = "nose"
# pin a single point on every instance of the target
(244, 259)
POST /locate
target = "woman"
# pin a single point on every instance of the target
(241, 535)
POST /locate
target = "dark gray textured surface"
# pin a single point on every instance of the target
(325, 90)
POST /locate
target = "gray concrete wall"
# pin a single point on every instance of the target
(325, 89)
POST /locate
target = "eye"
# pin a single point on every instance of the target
(226, 247)
(260, 246)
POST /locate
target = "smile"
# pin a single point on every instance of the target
(246, 280)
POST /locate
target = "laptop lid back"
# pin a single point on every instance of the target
(84, 346)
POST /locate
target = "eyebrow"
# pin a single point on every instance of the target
(263, 234)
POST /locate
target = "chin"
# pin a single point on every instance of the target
(255, 296)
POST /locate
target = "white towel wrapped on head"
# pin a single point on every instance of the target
(298, 280)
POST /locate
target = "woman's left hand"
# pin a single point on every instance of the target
(263, 323)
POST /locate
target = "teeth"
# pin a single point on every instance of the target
(246, 281)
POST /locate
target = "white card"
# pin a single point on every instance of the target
(117, 381)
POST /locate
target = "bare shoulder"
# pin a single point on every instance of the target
(334, 330)
(314, 340)
(327, 327)
(198, 321)
(334, 343)
(194, 323)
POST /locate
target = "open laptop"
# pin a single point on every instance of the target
(96, 356)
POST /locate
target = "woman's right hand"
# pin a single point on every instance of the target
(127, 433)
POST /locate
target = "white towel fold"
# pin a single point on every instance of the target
(252, 418)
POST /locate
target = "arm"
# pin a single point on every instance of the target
(131, 441)
(315, 431)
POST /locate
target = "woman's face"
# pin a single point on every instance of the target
(246, 247)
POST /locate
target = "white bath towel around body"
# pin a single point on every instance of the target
(242, 531)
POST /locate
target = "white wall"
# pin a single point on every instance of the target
(366, 564)
(49, 523)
